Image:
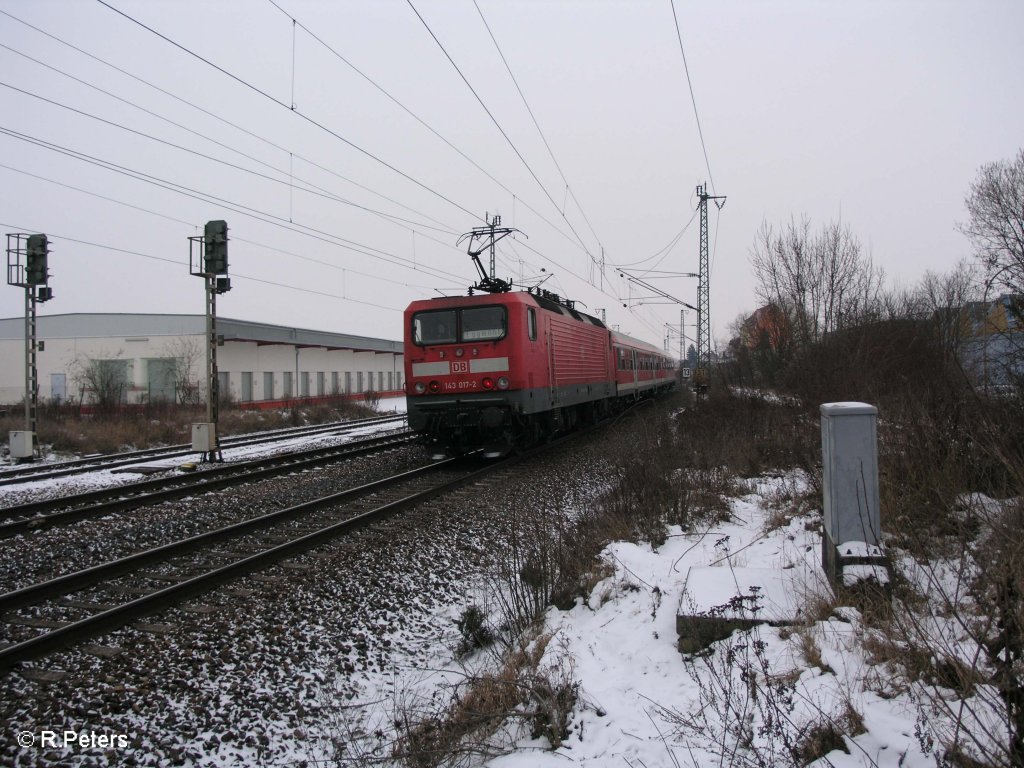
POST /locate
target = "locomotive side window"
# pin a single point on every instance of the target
(531, 323)
(436, 327)
(483, 323)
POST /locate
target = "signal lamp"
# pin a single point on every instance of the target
(35, 260)
(488, 383)
(434, 386)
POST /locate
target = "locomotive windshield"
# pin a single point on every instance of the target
(449, 326)
(434, 327)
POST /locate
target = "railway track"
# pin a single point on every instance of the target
(47, 513)
(88, 603)
(32, 472)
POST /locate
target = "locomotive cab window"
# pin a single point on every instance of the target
(483, 323)
(437, 327)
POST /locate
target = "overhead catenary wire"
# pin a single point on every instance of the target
(419, 265)
(501, 130)
(307, 186)
(222, 120)
(229, 205)
(576, 242)
(246, 210)
(183, 263)
(296, 112)
(191, 224)
(536, 124)
(693, 99)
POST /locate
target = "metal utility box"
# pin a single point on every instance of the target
(22, 443)
(204, 437)
(849, 454)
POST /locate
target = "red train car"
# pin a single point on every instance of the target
(498, 370)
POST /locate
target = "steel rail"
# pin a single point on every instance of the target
(32, 473)
(118, 616)
(38, 515)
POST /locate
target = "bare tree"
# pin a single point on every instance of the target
(103, 381)
(822, 281)
(995, 203)
(187, 355)
(943, 300)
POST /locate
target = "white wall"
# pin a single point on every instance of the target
(233, 358)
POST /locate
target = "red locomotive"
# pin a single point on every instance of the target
(508, 368)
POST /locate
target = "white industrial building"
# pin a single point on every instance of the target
(158, 357)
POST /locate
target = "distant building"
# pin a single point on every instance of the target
(154, 358)
(991, 340)
(767, 328)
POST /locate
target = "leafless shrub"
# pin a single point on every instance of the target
(749, 714)
(466, 721)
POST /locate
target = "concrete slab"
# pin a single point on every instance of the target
(717, 601)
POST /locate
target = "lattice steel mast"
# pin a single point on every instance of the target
(704, 289)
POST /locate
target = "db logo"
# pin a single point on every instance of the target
(460, 366)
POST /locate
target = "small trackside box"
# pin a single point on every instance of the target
(204, 437)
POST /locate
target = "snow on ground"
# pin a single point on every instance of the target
(638, 691)
(391, 404)
(105, 478)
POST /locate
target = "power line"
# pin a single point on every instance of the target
(536, 124)
(208, 113)
(689, 83)
(426, 125)
(235, 207)
(297, 112)
(432, 130)
(97, 195)
(311, 189)
(500, 129)
(180, 263)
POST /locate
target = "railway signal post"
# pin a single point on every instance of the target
(32, 274)
(208, 259)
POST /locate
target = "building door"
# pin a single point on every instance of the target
(58, 387)
(160, 372)
(268, 385)
(246, 386)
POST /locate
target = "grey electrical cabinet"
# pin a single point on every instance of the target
(22, 444)
(849, 454)
(204, 437)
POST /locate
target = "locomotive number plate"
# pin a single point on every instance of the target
(454, 386)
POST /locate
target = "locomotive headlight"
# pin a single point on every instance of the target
(503, 382)
(434, 386)
(487, 383)
(420, 387)
(459, 352)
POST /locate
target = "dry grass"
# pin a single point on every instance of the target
(70, 433)
(541, 696)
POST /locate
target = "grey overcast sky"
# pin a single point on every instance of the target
(347, 153)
